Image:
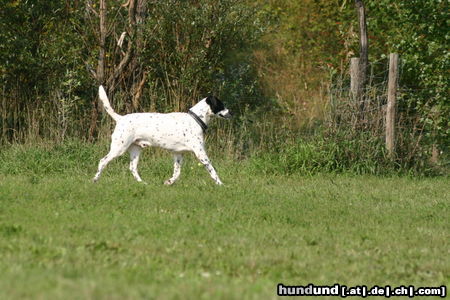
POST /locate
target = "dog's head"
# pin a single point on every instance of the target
(218, 108)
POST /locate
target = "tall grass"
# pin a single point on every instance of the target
(285, 138)
(304, 155)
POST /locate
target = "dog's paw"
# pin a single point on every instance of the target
(139, 180)
(168, 182)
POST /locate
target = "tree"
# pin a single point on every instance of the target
(363, 54)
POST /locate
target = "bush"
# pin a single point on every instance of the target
(342, 152)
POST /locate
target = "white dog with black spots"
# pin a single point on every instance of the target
(177, 132)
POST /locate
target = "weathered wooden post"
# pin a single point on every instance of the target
(354, 79)
(391, 103)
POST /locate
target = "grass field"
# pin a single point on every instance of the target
(62, 236)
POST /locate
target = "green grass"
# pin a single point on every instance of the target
(62, 236)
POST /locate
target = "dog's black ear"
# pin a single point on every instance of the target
(210, 100)
(215, 104)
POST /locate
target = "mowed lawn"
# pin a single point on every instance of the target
(62, 236)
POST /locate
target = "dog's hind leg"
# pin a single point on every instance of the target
(114, 152)
(178, 160)
(135, 151)
(203, 158)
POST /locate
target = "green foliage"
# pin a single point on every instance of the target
(418, 31)
(309, 37)
(193, 49)
(332, 154)
(269, 60)
(342, 150)
(39, 43)
(314, 32)
(185, 50)
(42, 67)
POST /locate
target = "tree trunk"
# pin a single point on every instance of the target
(118, 71)
(102, 42)
(100, 74)
(363, 53)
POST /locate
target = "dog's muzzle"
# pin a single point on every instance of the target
(226, 114)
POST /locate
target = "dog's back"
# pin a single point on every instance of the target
(173, 131)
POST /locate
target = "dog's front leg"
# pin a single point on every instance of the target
(178, 160)
(203, 158)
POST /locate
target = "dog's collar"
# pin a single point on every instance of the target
(198, 120)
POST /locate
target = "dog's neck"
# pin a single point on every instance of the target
(203, 111)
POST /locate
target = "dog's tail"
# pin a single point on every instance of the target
(104, 98)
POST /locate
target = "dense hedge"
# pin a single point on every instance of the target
(183, 50)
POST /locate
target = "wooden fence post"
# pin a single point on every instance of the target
(354, 78)
(391, 103)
